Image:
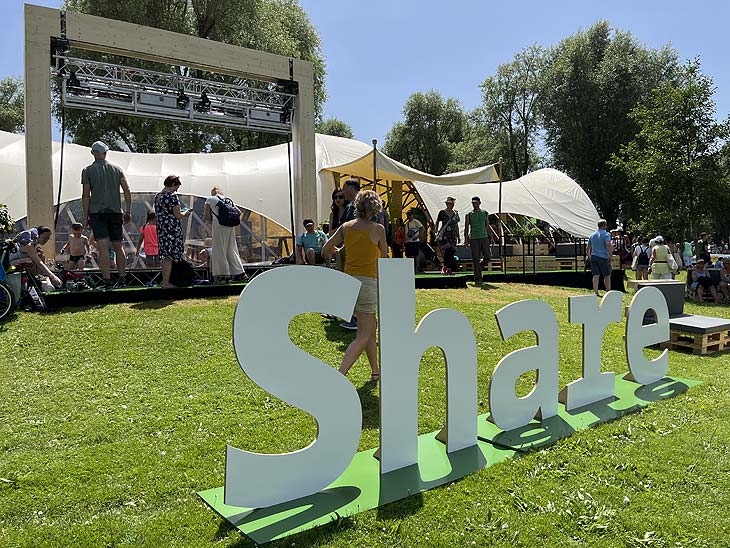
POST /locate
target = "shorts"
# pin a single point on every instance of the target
(642, 268)
(318, 259)
(106, 226)
(704, 281)
(413, 249)
(601, 266)
(76, 258)
(18, 258)
(367, 299)
(152, 261)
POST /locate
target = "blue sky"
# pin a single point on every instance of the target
(379, 52)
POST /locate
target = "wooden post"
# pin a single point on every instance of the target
(303, 145)
(502, 244)
(396, 201)
(40, 25)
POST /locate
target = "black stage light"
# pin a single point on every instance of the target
(204, 104)
(73, 81)
(182, 99)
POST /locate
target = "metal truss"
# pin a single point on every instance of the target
(106, 87)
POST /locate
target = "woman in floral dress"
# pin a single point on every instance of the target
(169, 226)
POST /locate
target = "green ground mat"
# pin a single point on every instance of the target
(361, 487)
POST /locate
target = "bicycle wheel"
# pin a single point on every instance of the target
(7, 302)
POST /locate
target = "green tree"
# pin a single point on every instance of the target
(426, 136)
(12, 101)
(275, 26)
(482, 145)
(510, 107)
(674, 161)
(338, 128)
(592, 81)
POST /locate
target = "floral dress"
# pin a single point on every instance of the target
(169, 228)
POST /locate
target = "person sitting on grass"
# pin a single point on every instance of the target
(28, 254)
(725, 279)
(309, 244)
(78, 247)
(701, 281)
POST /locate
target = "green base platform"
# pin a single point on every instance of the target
(361, 487)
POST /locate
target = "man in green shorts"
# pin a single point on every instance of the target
(476, 235)
(102, 206)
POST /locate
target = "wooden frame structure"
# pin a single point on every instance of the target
(136, 41)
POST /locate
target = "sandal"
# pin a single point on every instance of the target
(375, 377)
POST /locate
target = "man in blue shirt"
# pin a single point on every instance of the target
(600, 249)
(309, 244)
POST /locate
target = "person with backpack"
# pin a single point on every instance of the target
(224, 217)
(641, 259)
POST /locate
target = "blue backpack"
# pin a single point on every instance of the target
(228, 214)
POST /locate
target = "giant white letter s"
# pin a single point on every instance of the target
(272, 361)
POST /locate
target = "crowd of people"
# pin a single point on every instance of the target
(161, 239)
(662, 259)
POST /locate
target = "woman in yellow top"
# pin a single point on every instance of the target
(365, 243)
(659, 262)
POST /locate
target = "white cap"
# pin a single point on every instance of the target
(99, 146)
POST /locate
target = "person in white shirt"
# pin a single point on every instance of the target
(225, 262)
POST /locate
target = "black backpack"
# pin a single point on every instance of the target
(182, 273)
(228, 214)
(643, 258)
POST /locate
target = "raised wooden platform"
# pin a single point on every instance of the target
(700, 334)
(431, 280)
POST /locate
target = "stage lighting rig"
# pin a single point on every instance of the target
(106, 87)
(182, 100)
(203, 105)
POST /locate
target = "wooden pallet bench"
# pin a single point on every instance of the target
(701, 334)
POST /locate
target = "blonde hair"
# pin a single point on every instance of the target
(368, 204)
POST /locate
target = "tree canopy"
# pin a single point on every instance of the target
(338, 128)
(674, 162)
(426, 136)
(275, 26)
(12, 101)
(592, 81)
(510, 107)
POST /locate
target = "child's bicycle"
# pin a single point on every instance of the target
(31, 293)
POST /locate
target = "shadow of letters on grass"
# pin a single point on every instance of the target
(269, 496)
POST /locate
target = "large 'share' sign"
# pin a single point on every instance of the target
(271, 300)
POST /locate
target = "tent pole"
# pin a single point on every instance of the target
(375, 165)
(291, 196)
(502, 245)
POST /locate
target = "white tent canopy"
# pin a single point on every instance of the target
(259, 180)
(547, 194)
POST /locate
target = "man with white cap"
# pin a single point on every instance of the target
(103, 210)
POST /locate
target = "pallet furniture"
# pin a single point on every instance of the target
(701, 334)
(691, 294)
(537, 262)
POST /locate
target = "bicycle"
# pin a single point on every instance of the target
(31, 292)
(7, 297)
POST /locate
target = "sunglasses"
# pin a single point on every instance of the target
(339, 197)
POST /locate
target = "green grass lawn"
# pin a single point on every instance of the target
(114, 417)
